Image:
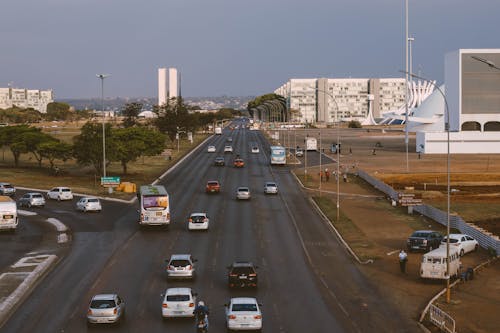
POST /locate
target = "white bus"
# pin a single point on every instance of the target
(278, 155)
(433, 265)
(155, 205)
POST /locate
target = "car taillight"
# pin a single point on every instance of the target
(168, 215)
(231, 317)
(189, 267)
(233, 275)
(164, 305)
(170, 267)
(115, 311)
(190, 220)
(89, 312)
(205, 220)
(191, 305)
(252, 274)
(257, 317)
(424, 242)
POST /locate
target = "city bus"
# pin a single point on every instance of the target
(155, 205)
(278, 155)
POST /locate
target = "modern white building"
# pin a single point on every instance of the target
(472, 92)
(323, 99)
(26, 98)
(168, 84)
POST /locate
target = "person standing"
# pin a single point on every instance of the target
(403, 258)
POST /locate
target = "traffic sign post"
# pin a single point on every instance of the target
(110, 181)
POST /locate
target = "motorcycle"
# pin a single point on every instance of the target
(202, 324)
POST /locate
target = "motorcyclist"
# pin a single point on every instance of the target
(201, 313)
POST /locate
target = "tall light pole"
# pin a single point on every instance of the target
(320, 171)
(102, 77)
(447, 129)
(406, 85)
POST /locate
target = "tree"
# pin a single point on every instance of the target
(131, 112)
(55, 150)
(59, 111)
(172, 116)
(13, 137)
(32, 141)
(133, 142)
(88, 146)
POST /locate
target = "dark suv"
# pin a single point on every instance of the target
(242, 274)
(424, 240)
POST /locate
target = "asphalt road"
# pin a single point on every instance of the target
(307, 282)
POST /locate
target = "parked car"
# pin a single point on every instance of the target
(243, 193)
(178, 302)
(228, 149)
(60, 193)
(239, 163)
(89, 204)
(31, 199)
(219, 161)
(211, 149)
(198, 221)
(181, 266)
(242, 274)
(243, 313)
(213, 186)
(424, 240)
(270, 188)
(299, 152)
(464, 243)
(106, 309)
(7, 189)
(255, 150)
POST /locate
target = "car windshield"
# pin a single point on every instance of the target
(243, 190)
(102, 304)
(212, 183)
(66, 190)
(420, 234)
(271, 184)
(242, 270)
(180, 263)
(452, 240)
(244, 307)
(7, 186)
(198, 218)
(177, 298)
(37, 196)
(93, 200)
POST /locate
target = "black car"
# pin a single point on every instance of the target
(424, 240)
(242, 274)
(219, 161)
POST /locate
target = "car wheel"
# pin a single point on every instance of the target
(476, 247)
(84, 209)
(462, 252)
(29, 204)
(58, 198)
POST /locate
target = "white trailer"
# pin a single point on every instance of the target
(8, 213)
(311, 143)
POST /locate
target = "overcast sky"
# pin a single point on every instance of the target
(228, 47)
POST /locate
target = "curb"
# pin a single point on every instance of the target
(330, 224)
(8, 306)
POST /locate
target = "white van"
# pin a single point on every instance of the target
(433, 265)
(8, 213)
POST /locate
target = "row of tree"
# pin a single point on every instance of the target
(55, 111)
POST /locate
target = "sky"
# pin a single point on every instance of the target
(228, 47)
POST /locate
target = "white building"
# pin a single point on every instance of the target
(168, 84)
(359, 99)
(472, 86)
(26, 98)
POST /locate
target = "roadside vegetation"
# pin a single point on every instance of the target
(65, 146)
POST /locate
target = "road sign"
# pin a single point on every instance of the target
(110, 181)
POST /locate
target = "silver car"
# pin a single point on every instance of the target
(243, 193)
(7, 189)
(106, 309)
(181, 266)
(271, 188)
(87, 204)
(31, 199)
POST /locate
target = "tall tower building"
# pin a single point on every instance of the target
(173, 83)
(162, 86)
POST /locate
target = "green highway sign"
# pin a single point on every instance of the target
(110, 181)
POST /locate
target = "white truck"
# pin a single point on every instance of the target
(311, 144)
(8, 213)
(218, 130)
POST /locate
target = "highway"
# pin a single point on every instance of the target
(307, 282)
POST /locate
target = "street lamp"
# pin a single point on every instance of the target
(102, 77)
(447, 129)
(179, 137)
(406, 85)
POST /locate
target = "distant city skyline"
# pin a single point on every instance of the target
(227, 47)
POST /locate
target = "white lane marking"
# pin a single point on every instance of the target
(26, 212)
(392, 252)
(62, 238)
(57, 224)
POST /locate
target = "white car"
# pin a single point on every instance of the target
(211, 149)
(88, 204)
(228, 149)
(299, 152)
(243, 193)
(60, 193)
(271, 188)
(462, 242)
(243, 313)
(106, 309)
(178, 302)
(198, 221)
(181, 266)
(255, 150)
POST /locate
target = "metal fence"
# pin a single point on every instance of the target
(485, 239)
(441, 319)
